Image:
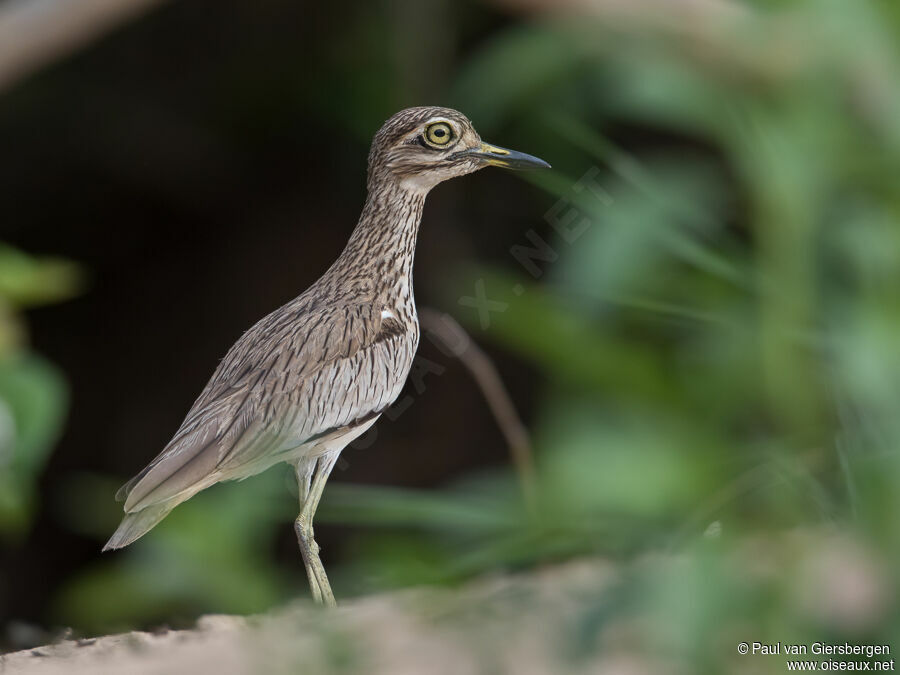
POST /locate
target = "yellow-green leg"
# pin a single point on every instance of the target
(312, 475)
(305, 469)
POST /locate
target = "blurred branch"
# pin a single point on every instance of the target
(683, 10)
(720, 35)
(450, 335)
(35, 33)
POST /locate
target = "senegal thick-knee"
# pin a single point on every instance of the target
(316, 373)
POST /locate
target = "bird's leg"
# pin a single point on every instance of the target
(318, 579)
(305, 469)
(308, 549)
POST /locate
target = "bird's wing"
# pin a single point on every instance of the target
(253, 403)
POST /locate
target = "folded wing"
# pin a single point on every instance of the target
(260, 402)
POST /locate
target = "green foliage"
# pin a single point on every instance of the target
(26, 281)
(32, 406)
(33, 395)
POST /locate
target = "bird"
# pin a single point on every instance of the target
(316, 373)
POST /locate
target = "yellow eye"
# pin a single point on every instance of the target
(439, 133)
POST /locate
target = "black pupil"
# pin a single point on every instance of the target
(440, 133)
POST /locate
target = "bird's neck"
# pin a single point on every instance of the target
(383, 244)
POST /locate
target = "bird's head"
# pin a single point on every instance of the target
(421, 147)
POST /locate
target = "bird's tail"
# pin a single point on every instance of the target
(136, 525)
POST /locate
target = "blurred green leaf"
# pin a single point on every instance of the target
(27, 281)
(33, 401)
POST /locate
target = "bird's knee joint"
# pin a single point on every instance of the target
(302, 529)
(305, 534)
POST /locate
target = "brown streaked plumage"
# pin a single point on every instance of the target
(316, 373)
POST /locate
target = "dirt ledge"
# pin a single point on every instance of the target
(513, 624)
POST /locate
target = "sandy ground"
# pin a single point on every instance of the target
(503, 625)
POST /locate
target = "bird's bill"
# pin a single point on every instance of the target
(508, 159)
